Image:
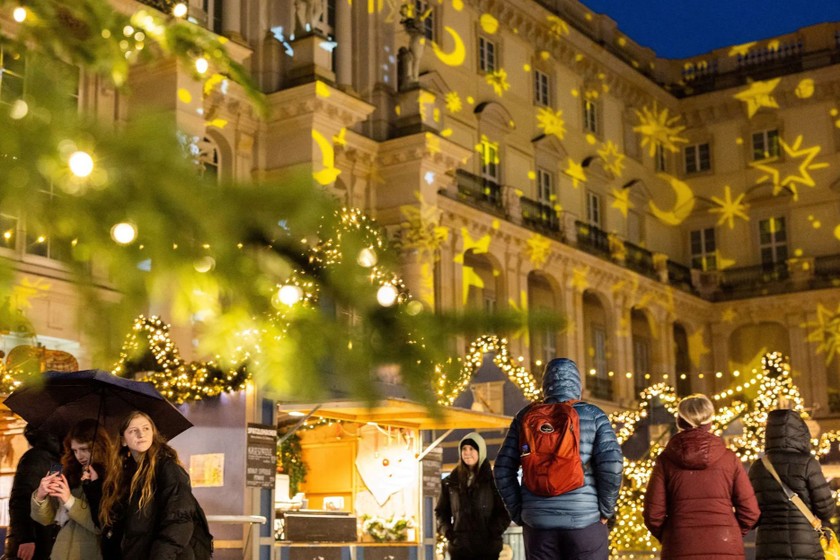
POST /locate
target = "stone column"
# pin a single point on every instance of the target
(344, 38)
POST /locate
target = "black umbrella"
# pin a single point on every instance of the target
(58, 400)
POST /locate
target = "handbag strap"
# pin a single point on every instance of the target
(792, 496)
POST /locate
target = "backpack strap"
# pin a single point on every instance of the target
(792, 496)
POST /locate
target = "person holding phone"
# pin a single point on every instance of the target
(60, 498)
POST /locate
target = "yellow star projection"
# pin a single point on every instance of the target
(471, 278)
(697, 347)
(728, 315)
(742, 50)
(551, 122)
(498, 79)
(558, 26)
(25, 291)
(453, 102)
(480, 245)
(576, 172)
(758, 95)
(579, 280)
(538, 250)
(657, 128)
(730, 209)
(622, 200)
(826, 332)
(613, 159)
(791, 181)
(420, 229)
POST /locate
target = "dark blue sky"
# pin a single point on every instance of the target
(680, 29)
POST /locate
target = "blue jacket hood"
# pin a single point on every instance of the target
(561, 381)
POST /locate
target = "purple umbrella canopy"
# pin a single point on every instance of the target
(56, 400)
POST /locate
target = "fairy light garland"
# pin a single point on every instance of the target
(449, 384)
(148, 353)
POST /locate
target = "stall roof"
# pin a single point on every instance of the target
(401, 413)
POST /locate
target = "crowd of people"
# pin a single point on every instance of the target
(104, 498)
(699, 504)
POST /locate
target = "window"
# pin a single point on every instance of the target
(590, 116)
(542, 88)
(207, 158)
(772, 240)
(486, 55)
(213, 9)
(37, 242)
(599, 342)
(8, 231)
(765, 144)
(490, 160)
(545, 187)
(697, 158)
(489, 397)
(641, 362)
(593, 208)
(703, 249)
(660, 159)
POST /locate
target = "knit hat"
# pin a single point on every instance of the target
(474, 440)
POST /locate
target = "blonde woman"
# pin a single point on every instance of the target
(699, 502)
(147, 508)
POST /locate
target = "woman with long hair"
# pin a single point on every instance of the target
(147, 508)
(470, 513)
(60, 499)
(699, 502)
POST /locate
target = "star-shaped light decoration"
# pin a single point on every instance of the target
(742, 49)
(26, 290)
(730, 209)
(622, 200)
(453, 102)
(538, 249)
(579, 280)
(657, 128)
(558, 26)
(498, 79)
(420, 227)
(790, 181)
(480, 245)
(728, 315)
(758, 95)
(697, 347)
(826, 332)
(576, 172)
(551, 122)
(613, 159)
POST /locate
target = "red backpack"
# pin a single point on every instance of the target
(549, 446)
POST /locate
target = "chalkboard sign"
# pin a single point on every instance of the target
(261, 456)
(431, 472)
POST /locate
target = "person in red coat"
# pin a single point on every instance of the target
(699, 502)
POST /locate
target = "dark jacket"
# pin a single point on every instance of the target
(32, 467)
(689, 501)
(472, 517)
(599, 452)
(783, 532)
(164, 529)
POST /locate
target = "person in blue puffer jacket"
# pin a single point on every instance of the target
(571, 526)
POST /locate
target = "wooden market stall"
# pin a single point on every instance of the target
(372, 475)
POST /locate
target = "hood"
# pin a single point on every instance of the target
(561, 381)
(479, 441)
(695, 449)
(43, 439)
(786, 430)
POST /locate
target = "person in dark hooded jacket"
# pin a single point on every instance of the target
(470, 512)
(699, 502)
(26, 538)
(573, 525)
(783, 532)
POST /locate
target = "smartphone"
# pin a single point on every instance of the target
(55, 468)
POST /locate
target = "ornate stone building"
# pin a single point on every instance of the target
(682, 215)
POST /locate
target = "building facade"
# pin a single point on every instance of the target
(681, 215)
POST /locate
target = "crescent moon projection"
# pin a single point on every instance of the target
(458, 54)
(328, 173)
(683, 206)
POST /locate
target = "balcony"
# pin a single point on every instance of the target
(540, 217)
(591, 239)
(479, 192)
(639, 259)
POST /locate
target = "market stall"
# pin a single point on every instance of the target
(364, 493)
